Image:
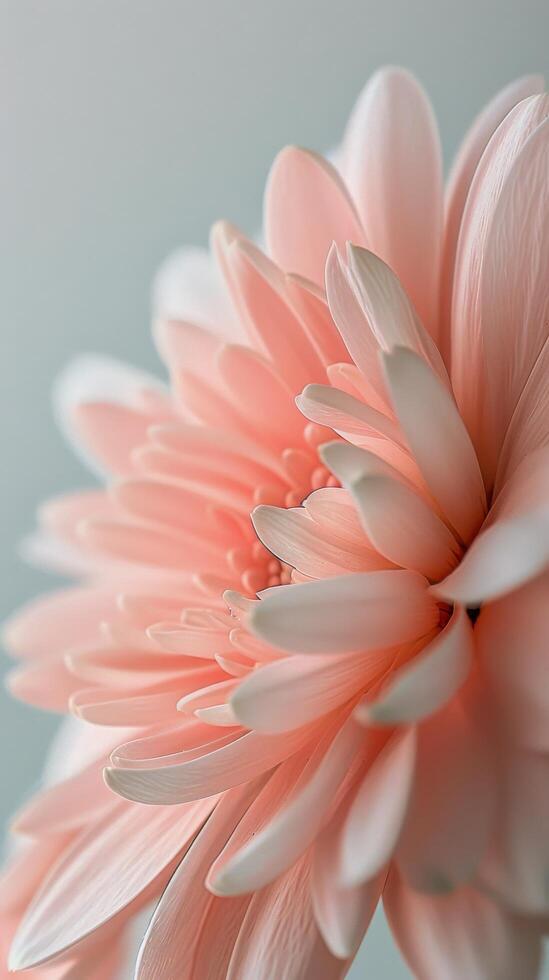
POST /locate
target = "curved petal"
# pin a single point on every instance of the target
(452, 807)
(499, 257)
(392, 163)
(274, 328)
(114, 862)
(514, 545)
(438, 440)
(388, 309)
(275, 847)
(191, 777)
(378, 811)
(422, 686)
(307, 207)
(279, 936)
(98, 406)
(342, 914)
(511, 637)
(459, 182)
(298, 540)
(282, 696)
(348, 613)
(403, 528)
(460, 935)
(169, 945)
(516, 868)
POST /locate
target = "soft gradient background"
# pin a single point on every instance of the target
(128, 126)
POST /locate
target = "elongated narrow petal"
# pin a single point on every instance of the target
(451, 801)
(302, 183)
(459, 182)
(403, 527)
(274, 849)
(274, 943)
(353, 612)
(465, 934)
(191, 776)
(376, 816)
(514, 546)
(293, 691)
(77, 897)
(168, 948)
(356, 331)
(343, 413)
(343, 914)
(516, 866)
(388, 309)
(499, 290)
(295, 538)
(512, 642)
(392, 161)
(428, 681)
(437, 439)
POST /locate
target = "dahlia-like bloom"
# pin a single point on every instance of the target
(375, 723)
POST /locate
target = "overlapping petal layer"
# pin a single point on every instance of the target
(318, 713)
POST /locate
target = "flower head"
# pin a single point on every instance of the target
(364, 726)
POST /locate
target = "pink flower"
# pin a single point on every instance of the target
(353, 732)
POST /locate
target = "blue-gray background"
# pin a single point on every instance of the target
(128, 126)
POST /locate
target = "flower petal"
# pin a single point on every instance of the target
(377, 813)
(343, 914)
(394, 170)
(289, 693)
(307, 207)
(274, 848)
(422, 686)
(511, 636)
(190, 776)
(106, 869)
(513, 547)
(279, 936)
(453, 800)
(437, 439)
(351, 612)
(459, 182)
(460, 935)
(169, 945)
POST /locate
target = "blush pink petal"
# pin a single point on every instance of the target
(77, 899)
(438, 440)
(342, 914)
(300, 182)
(459, 182)
(392, 162)
(169, 945)
(529, 426)
(512, 644)
(299, 541)
(279, 936)
(421, 687)
(493, 193)
(293, 691)
(274, 849)
(377, 813)
(454, 798)
(513, 547)
(300, 618)
(403, 528)
(464, 934)
(211, 772)
(271, 320)
(516, 866)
